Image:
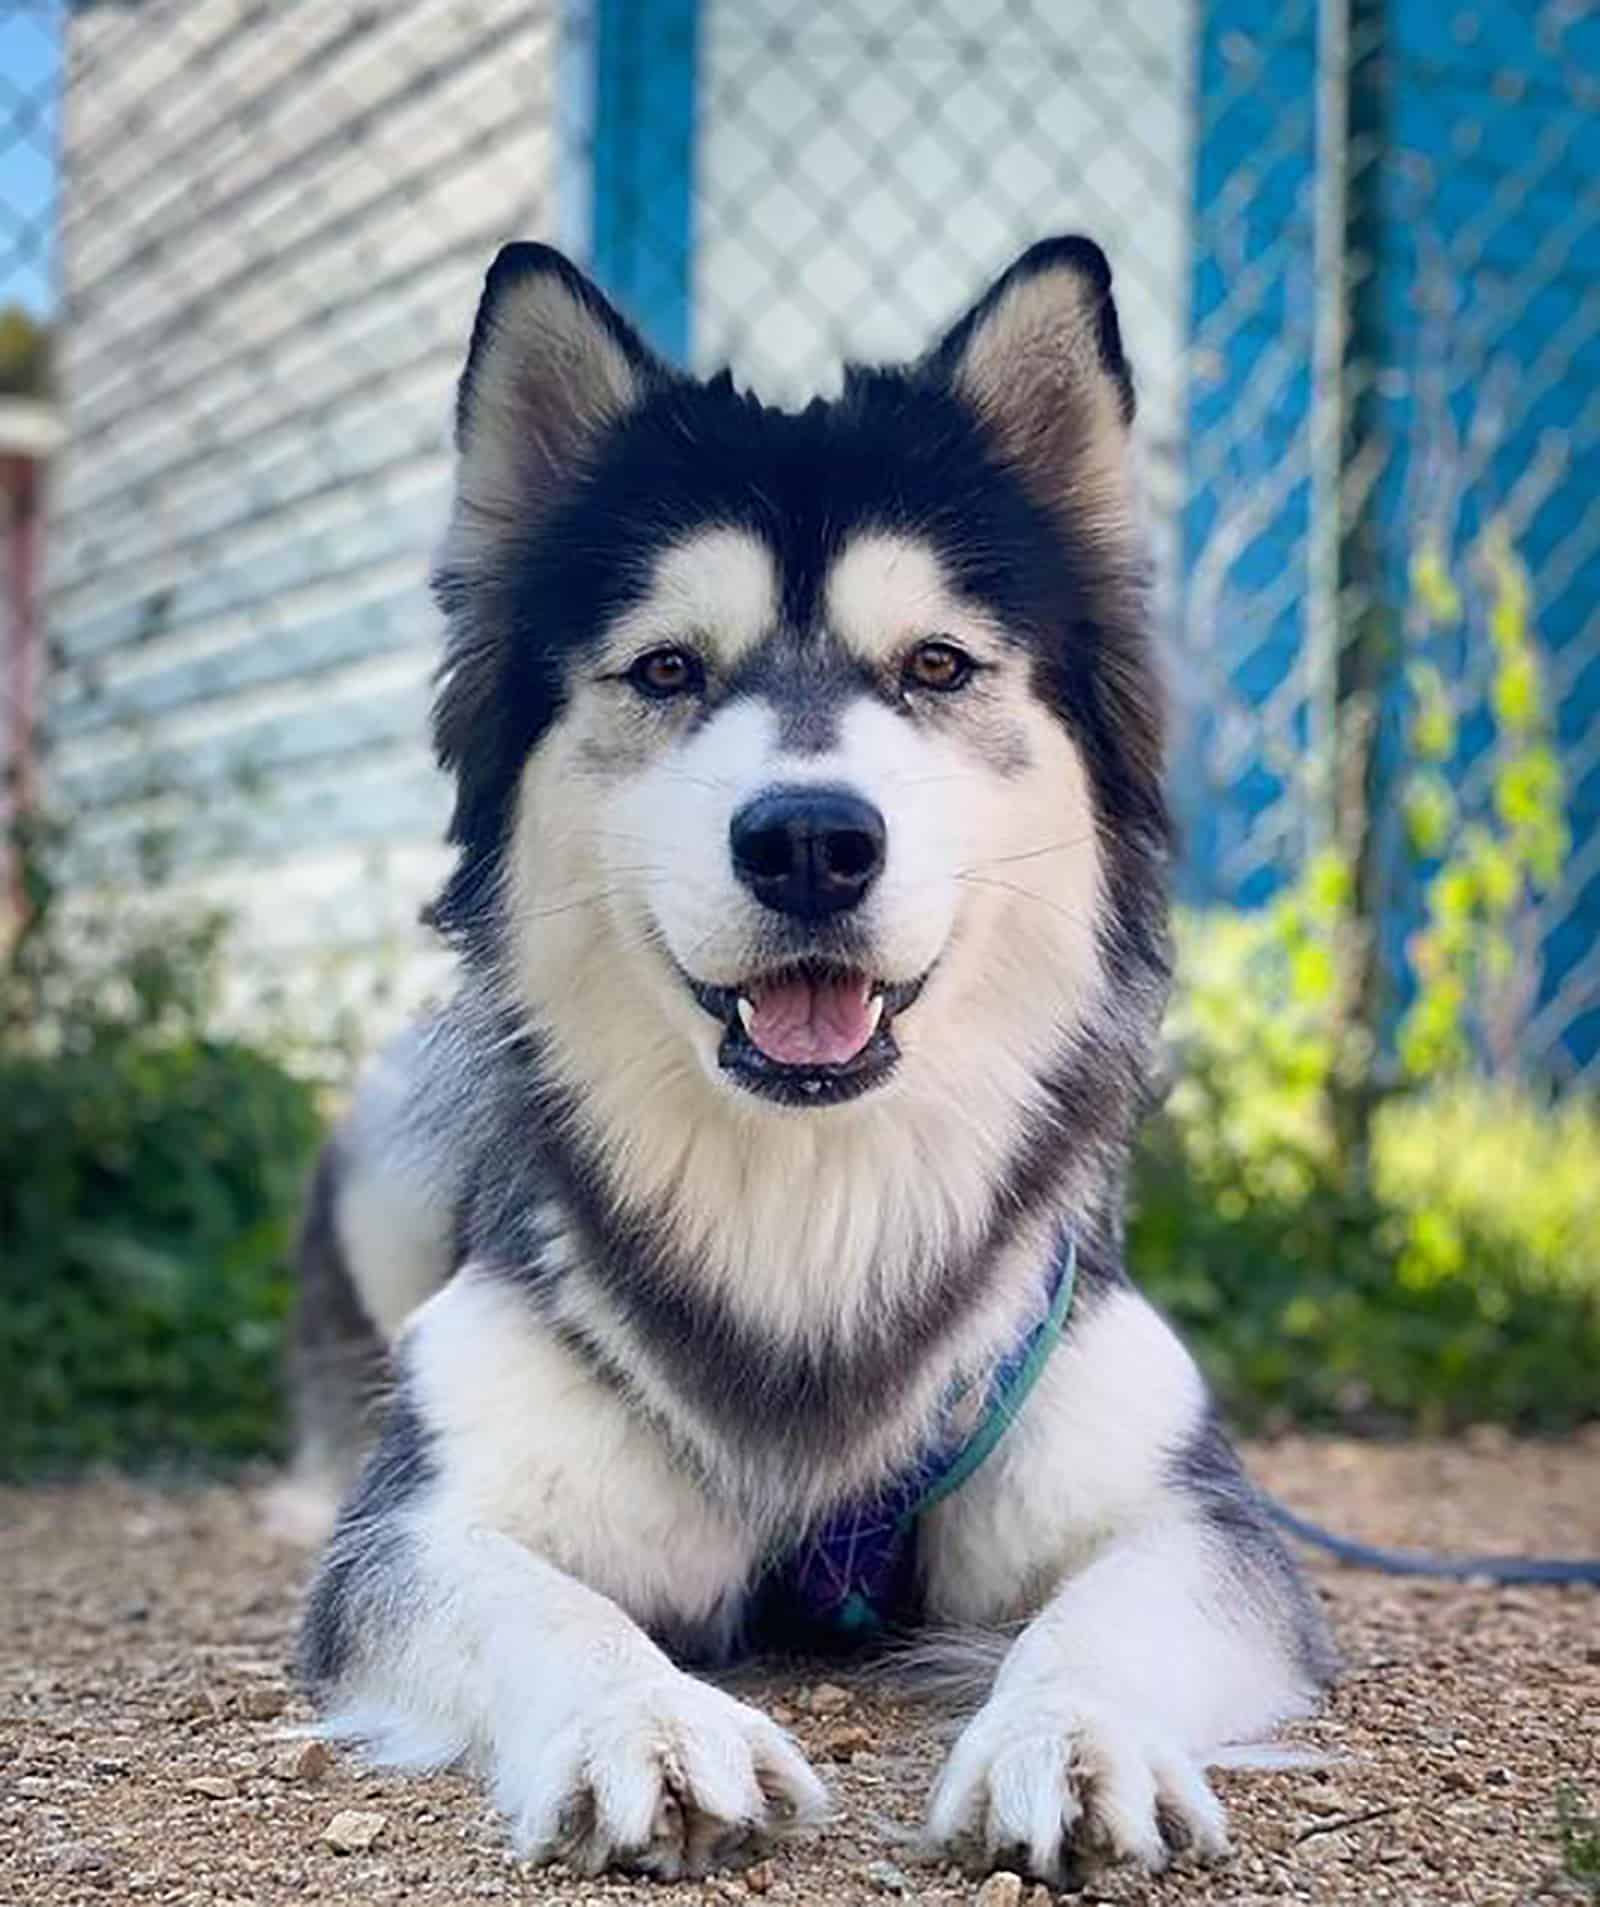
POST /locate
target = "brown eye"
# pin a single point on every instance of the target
(938, 665)
(663, 673)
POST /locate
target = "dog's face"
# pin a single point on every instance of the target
(799, 747)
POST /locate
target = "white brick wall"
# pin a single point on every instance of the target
(275, 222)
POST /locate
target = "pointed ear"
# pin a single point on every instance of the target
(551, 366)
(1039, 359)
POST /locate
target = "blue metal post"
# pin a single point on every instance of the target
(646, 55)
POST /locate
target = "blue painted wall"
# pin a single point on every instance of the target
(1504, 175)
(1248, 421)
(1493, 170)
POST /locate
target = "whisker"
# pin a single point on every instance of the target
(596, 899)
(928, 781)
(594, 896)
(718, 784)
(1027, 894)
(1033, 854)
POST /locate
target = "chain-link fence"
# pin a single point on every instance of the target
(1358, 251)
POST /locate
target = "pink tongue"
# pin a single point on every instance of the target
(806, 1023)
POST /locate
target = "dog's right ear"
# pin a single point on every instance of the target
(552, 366)
(551, 369)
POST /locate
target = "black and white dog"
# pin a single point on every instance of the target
(748, 1232)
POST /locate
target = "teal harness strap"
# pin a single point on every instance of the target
(848, 1575)
(1013, 1383)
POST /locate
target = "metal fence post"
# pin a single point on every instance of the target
(645, 60)
(1365, 621)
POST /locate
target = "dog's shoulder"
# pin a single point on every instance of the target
(440, 1157)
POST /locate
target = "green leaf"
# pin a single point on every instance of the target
(1431, 584)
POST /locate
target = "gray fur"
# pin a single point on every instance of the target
(363, 1576)
(338, 1365)
(1208, 1472)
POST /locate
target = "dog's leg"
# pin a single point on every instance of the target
(472, 1605)
(1177, 1623)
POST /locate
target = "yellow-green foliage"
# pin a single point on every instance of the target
(1461, 1284)
(1491, 866)
(1484, 1168)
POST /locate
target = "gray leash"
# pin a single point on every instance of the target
(1454, 1569)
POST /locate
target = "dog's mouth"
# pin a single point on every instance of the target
(811, 1033)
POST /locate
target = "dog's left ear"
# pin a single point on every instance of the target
(1039, 359)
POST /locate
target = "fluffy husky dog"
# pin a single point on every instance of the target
(811, 899)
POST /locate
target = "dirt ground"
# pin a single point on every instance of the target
(145, 1716)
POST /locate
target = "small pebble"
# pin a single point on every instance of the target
(888, 1878)
(760, 1877)
(1332, 1801)
(827, 1698)
(264, 1704)
(353, 1830)
(1000, 1890)
(80, 1857)
(214, 1787)
(300, 1761)
(844, 1741)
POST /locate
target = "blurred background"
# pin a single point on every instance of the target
(1357, 247)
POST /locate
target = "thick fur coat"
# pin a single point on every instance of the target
(811, 895)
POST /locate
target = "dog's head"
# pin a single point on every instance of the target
(795, 750)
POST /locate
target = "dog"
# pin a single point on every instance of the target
(742, 1246)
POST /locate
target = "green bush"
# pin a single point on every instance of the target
(152, 1173)
(144, 1278)
(1461, 1284)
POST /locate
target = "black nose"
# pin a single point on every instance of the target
(808, 851)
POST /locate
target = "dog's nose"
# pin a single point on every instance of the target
(808, 851)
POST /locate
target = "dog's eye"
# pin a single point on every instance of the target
(662, 673)
(938, 665)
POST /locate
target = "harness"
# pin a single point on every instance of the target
(850, 1575)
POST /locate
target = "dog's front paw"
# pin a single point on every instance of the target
(664, 1775)
(1033, 1780)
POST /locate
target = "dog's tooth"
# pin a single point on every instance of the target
(747, 1013)
(874, 1013)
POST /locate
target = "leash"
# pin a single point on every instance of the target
(1547, 1571)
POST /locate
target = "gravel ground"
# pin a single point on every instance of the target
(146, 1753)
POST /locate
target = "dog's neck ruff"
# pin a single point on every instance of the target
(849, 1575)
